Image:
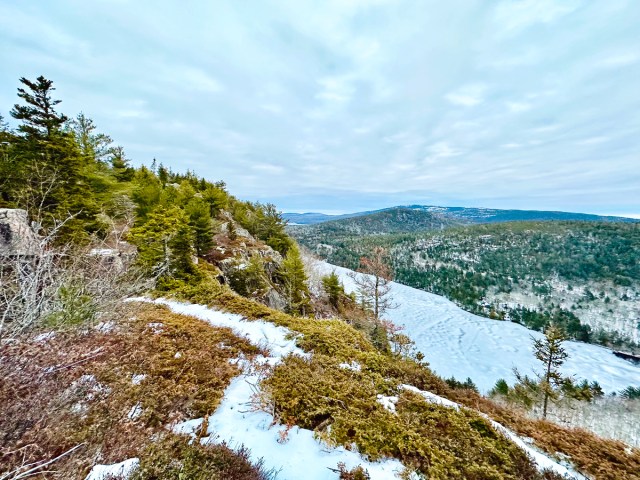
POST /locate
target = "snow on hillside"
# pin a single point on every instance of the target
(237, 423)
(460, 344)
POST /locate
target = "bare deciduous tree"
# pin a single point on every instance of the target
(64, 284)
(373, 281)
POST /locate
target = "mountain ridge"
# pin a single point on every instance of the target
(468, 214)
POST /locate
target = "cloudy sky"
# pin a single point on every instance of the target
(347, 105)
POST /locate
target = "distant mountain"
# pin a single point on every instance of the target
(382, 222)
(492, 215)
(311, 218)
(463, 214)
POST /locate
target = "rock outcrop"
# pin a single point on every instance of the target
(17, 238)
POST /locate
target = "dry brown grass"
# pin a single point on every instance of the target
(601, 459)
(77, 388)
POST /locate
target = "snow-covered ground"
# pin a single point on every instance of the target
(460, 344)
(237, 423)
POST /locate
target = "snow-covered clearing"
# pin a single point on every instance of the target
(237, 423)
(459, 344)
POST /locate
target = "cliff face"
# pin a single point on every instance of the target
(247, 264)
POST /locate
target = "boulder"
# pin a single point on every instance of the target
(17, 238)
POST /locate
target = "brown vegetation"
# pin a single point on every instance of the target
(600, 458)
(110, 391)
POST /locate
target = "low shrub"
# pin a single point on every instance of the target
(110, 391)
(341, 406)
(177, 457)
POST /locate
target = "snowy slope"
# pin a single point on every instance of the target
(460, 344)
(237, 423)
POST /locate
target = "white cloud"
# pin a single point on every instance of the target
(199, 80)
(593, 140)
(335, 89)
(518, 107)
(496, 93)
(514, 15)
(442, 150)
(621, 60)
(468, 96)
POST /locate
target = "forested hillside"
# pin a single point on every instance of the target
(393, 220)
(583, 275)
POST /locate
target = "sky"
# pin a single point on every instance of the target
(350, 105)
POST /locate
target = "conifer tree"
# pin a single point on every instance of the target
(122, 171)
(146, 193)
(165, 242)
(6, 167)
(93, 145)
(39, 118)
(295, 282)
(231, 230)
(333, 288)
(201, 223)
(551, 353)
(49, 169)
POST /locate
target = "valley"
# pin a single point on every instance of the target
(459, 344)
(582, 275)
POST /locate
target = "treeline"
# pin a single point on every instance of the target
(63, 171)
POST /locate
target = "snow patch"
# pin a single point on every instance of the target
(540, 459)
(105, 327)
(104, 252)
(262, 334)
(118, 470)
(388, 402)
(238, 422)
(135, 412)
(44, 337)
(431, 397)
(354, 366)
(155, 327)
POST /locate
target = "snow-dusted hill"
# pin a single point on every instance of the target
(460, 344)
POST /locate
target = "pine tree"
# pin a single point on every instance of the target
(165, 242)
(146, 193)
(295, 282)
(39, 118)
(6, 165)
(122, 171)
(334, 289)
(551, 353)
(232, 233)
(49, 169)
(163, 175)
(93, 145)
(201, 223)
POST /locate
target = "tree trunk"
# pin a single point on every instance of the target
(547, 387)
